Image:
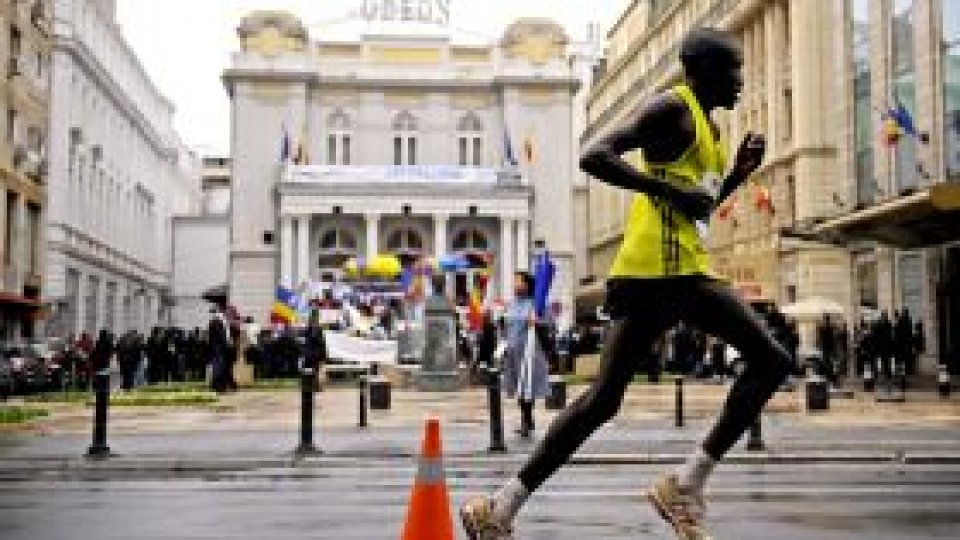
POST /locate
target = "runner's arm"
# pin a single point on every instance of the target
(663, 130)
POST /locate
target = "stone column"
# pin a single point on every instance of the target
(523, 244)
(373, 235)
(506, 259)
(286, 251)
(303, 250)
(440, 234)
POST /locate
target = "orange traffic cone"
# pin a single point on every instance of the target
(428, 516)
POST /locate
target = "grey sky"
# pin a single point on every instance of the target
(185, 44)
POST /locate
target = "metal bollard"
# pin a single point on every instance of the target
(943, 381)
(362, 421)
(869, 383)
(496, 411)
(306, 446)
(755, 442)
(679, 402)
(101, 383)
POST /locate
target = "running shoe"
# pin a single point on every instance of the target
(682, 509)
(480, 523)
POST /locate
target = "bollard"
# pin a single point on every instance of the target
(306, 446)
(943, 381)
(101, 384)
(755, 442)
(362, 406)
(679, 402)
(869, 383)
(557, 398)
(496, 411)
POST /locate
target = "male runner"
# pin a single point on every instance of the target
(661, 276)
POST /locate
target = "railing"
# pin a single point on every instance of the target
(448, 174)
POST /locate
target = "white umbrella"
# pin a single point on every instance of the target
(812, 307)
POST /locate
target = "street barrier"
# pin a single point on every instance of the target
(379, 393)
(496, 410)
(755, 440)
(557, 398)
(101, 384)
(678, 409)
(306, 446)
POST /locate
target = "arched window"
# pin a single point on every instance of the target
(337, 244)
(339, 240)
(470, 140)
(405, 240)
(339, 138)
(470, 240)
(404, 139)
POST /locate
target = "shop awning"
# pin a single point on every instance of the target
(927, 218)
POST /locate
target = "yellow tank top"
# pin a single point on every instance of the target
(659, 241)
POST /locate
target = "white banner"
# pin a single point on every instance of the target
(357, 350)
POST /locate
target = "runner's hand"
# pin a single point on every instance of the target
(750, 154)
(694, 202)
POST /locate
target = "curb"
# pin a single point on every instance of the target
(34, 468)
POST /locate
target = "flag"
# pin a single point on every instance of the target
(727, 208)
(904, 120)
(762, 198)
(528, 149)
(300, 156)
(890, 131)
(285, 306)
(475, 305)
(508, 156)
(284, 143)
(543, 275)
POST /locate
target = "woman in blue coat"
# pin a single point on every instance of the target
(525, 375)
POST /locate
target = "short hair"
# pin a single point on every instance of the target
(528, 281)
(706, 43)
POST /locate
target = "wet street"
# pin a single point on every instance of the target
(346, 498)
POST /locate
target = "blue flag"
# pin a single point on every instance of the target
(902, 117)
(543, 275)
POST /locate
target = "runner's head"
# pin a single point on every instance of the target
(523, 284)
(711, 61)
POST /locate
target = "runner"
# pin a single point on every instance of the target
(661, 276)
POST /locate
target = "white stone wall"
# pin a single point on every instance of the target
(118, 171)
(200, 259)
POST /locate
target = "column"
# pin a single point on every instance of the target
(373, 235)
(506, 259)
(523, 244)
(440, 234)
(81, 303)
(21, 242)
(440, 248)
(286, 251)
(303, 249)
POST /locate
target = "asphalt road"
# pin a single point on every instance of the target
(347, 499)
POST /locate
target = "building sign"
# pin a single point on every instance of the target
(413, 11)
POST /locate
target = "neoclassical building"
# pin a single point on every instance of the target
(398, 144)
(118, 172)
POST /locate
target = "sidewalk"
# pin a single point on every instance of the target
(262, 428)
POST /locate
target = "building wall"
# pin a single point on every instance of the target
(24, 111)
(522, 88)
(200, 257)
(118, 173)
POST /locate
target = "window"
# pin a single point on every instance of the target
(867, 289)
(470, 140)
(911, 284)
(470, 240)
(33, 237)
(15, 42)
(11, 217)
(404, 139)
(864, 133)
(950, 57)
(405, 240)
(11, 126)
(338, 239)
(903, 64)
(338, 140)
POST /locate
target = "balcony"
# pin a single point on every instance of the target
(403, 175)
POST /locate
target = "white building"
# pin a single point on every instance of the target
(118, 172)
(406, 143)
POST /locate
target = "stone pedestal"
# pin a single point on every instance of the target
(439, 370)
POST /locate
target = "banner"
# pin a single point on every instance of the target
(357, 350)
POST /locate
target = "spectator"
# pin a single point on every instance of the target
(315, 347)
(219, 343)
(525, 378)
(102, 352)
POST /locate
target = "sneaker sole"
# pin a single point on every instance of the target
(661, 509)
